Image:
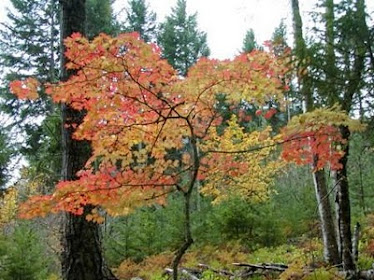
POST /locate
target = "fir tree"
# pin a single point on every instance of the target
(141, 19)
(29, 46)
(249, 42)
(181, 41)
(100, 18)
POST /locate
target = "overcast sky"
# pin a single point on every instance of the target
(226, 21)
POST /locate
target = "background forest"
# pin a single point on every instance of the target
(311, 216)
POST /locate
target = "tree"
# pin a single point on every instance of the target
(140, 19)
(82, 256)
(335, 76)
(22, 255)
(139, 112)
(31, 32)
(331, 253)
(249, 42)
(279, 40)
(6, 153)
(99, 18)
(180, 40)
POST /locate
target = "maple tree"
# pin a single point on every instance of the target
(153, 132)
(314, 138)
(138, 110)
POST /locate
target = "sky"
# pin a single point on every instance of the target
(225, 21)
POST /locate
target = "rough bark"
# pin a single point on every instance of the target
(82, 257)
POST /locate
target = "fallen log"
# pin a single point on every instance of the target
(366, 274)
(217, 271)
(183, 271)
(264, 266)
(256, 269)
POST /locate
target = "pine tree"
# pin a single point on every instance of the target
(180, 39)
(141, 19)
(29, 39)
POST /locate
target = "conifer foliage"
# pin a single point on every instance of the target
(142, 20)
(181, 41)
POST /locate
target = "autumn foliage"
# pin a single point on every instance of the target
(314, 138)
(153, 132)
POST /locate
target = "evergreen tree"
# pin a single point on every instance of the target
(180, 39)
(30, 47)
(141, 20)
(279, 39)
(249, 42)
(22, 255)
(6, 152)
(29, 39)
(100, 18)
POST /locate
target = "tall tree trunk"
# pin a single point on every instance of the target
(331, 253)
(354, 78)
(330, 248)
(344, 208)
(82, 257)
(331, 70)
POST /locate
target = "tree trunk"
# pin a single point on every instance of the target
(330, 249)
(356, 241)
(331, 92)
(353, 86)
(187, 235)
(330, 246)
(82, 257)
(343, 210)
(187, 193)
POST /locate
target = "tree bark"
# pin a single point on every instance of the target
(356, 241)
(82, 257)
(354, 83)
(187, 235)
(330, 249)
(187, 193)
(331, 70)
(343, 210)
